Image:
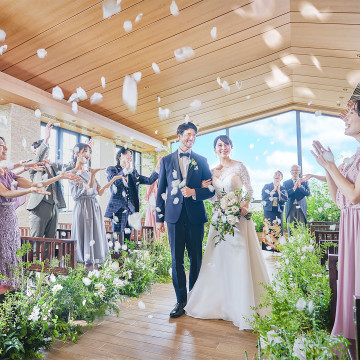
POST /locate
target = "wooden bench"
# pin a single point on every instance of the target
(326, 237)
(47, 250)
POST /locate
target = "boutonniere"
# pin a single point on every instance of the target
(194, 164)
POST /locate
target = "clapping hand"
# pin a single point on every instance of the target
(323, 157)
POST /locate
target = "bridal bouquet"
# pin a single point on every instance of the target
(228, 212)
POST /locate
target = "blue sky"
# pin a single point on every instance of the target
(270, 144)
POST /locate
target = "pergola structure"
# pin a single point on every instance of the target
(283, 54)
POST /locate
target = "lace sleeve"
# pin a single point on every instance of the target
(245, 178)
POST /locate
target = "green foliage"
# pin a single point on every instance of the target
(320, 207)
(258, 219)
(294, 320)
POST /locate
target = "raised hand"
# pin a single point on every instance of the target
(91, 142)
(206, 183)
(39, 191)
(47, 132)
(307, 177)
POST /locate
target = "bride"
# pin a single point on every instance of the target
(227, 285)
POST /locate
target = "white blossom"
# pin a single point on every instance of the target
(86, 281)
(300, 305)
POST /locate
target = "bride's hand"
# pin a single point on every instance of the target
(206, 183)
(244, 211)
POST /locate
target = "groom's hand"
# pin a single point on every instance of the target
(160, 226)
(187, 192)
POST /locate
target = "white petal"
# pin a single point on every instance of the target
(186, 119)
(251, 146)
(137, 76)
(158, 209)
(57, 93)
(3, 49)
(130, 93)
(73, 97)
(155, 67)
(110, 8)
(213, 33)
(123, 193)
(164, 197)
(310, 102)
(92, 242)
(23, 143)
(81, 93)
(272, 37)
(116, 219)
(174, 10)
(156, 132)
(2, 35)
(127, 231)
(74, 107)
(38, 113)
(127, 25)
(225, 86)
(141, 305)
(158, 99)
(184, 53)
(247, 97)
(238, 84)
(96, 98)
(318, 113)
(164, 113)
(114, 189)
(195, 105)
(138, 18)
(219, 80)
(174, 190)
(103, 83)
(182, 184)
(160, 216)
(176, 201)
(41, 53)
(174, 174)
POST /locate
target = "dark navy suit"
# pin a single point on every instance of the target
(125, 197)
(299, 195)
(185, 217)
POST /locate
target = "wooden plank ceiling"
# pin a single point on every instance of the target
(286, 53)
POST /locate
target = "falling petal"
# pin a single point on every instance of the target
(316, 62)
(225, 86)
(160, 216)
(96, 98)
(110, 8)
(304, 92)
(2, 35)
(136, 76)
(247, 97)
(158, 99)
(262, 8)
(164, 113)
(127, 231)
(186, 119)
(57, 93)
(3, 49)
(318, 113)
(277, 77)
(115, 218)
(81, 93)
(114, 189)
(156, 132)
(73, 97)
(123, 193)
(213, 33)
(41, 53)
(130, 94)
(272, 38)
(23, 143)
(182, 184)
(176, 201)
(164, 197)
(158, 209)
(353, 77)
(134, 221)
(155, 67)
(251, 146)
(309, 103)
(184, 53)
(141, 305)
(138, 18)
(309, 11)
(74, 107)
(174, 10)
(150, 316)
(38, 113)
(290, 60)
(174, 191)
(195, 105)
(103, 83)
(338, 102)
(238, 84)
(127, 25)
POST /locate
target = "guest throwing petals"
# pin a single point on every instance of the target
(344, 188)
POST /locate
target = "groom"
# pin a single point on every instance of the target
(179, 202)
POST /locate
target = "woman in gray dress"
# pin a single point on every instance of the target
(88, 226)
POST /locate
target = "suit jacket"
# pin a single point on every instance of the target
(197, 172)
(36, 176)
(299, 194)
(126, 197)
(282, 199)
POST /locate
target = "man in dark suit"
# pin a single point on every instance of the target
(297, 189)
(180, 203)
(124, 199)
(44, 209)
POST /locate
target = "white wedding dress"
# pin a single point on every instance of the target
(227, 285)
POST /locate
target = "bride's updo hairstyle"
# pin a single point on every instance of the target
(225, 139)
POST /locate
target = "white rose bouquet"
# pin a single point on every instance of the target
(228, 213)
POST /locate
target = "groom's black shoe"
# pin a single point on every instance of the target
(178, 310)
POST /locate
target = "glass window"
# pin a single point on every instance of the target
(329, 130)
(69, 140)
(265, 146)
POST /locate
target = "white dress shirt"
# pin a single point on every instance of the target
(184, 162)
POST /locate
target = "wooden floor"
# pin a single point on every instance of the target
(148, 333)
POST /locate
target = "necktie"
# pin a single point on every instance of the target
(184, 154)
